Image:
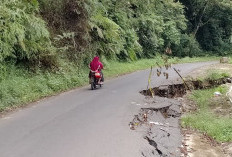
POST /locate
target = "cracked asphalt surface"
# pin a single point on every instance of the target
(85, 123)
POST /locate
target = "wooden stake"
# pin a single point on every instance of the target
(182, 79)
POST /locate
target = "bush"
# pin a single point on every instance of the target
(188, 47)
(23, 34)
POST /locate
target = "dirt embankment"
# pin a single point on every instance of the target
(198, 144)
(160, 118)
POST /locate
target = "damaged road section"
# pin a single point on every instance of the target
(168, 91)
(180, 89)
(160, 120)
(160, 124)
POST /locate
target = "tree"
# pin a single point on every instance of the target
(23, 34)
(210, 22)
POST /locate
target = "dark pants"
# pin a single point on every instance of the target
(102, 79)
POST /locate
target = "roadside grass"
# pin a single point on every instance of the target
(194, 59)
(205, 120)
(218, 128)
(118, 68)
(216, 75)
(230, 60)
(19, 86)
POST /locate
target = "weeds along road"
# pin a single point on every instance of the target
(83, 123)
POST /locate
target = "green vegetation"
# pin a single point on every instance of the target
(230, 60)
(205, 120)
(45, 45)
(21, 86)
(23, 35)
(194, 59)
(120, 30)
(216, 75)
(209, 21)
(117, 68)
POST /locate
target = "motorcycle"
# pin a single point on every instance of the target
(95, 79)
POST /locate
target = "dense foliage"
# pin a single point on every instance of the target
(64, 35)
(210, 21)
(134, 29)
(23, 34)
(115, 29)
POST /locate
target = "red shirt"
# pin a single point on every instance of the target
(96, 64)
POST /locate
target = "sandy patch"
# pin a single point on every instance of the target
(204, 71)
(196, 144)
(199, 146)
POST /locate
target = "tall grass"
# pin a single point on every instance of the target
(19, 86)
(230, 60)
(219, 128)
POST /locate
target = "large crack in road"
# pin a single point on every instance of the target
(161, 124)
(89, 123)
(161, 119)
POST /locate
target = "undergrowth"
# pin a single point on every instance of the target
(230, 60)
(19, 86)
(205, 120)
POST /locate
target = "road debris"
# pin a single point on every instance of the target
(155, 122)
(159, 120)
(132, 126)
(179, 89)
(216, 94)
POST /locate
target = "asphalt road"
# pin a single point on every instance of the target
(83, 123)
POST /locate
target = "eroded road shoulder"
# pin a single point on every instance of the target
(159, 119)
(159, 123)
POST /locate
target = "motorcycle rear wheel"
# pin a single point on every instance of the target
(92, 85)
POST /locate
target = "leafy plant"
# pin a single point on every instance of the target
(23, 34)
(215, 75)
(205, 120)
(210, 23)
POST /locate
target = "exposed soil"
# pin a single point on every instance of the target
(200, 145)
(221, 106)
(168, 91)
(196, 144)
(162, 122)
(203, 72)
(179, 90)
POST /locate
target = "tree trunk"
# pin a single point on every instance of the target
(200, 20)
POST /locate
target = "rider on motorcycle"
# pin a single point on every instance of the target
(96, 65)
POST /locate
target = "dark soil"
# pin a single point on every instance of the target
(179, 90)
(161, 120)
